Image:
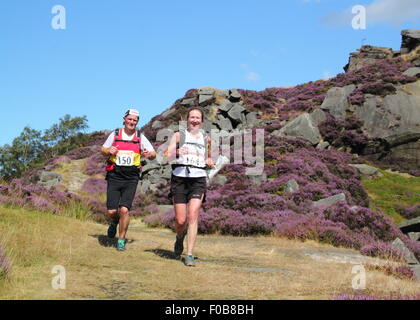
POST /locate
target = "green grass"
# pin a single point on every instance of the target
(390, 190)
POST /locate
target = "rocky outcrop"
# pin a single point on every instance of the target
(367, 55)
(47, 179)
(410, 40)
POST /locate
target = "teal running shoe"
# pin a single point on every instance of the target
(121, 245)
(189, 260)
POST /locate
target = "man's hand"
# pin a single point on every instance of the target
(113, 151)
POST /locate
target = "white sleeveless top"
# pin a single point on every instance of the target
(196, 156)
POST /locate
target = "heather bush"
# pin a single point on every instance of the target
(363, 220)
(95, 164)
(94, 186)
(399, 271)
(410, 212)
(383, 250)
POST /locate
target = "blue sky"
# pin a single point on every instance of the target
(146, 54)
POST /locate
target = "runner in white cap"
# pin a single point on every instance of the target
(125, 147)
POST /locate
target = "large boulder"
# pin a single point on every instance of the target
(412, 72)
(410, 40)
(366, 171)
(394, 114)
(412, 225)
(408, 255)
(302, 128)
(336, 101)
(48, 179)
(330, 200)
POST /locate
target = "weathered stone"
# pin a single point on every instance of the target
(225, 105)
(143, 186)
(302, 128)
(336, 102)
(291, 186)
(236, 111)
(349, 89)
(330, 200)
(167, 172)
(411, 225)
(204, 98)
(317, 116)
(205, 91)
(150, 165)
(416, 62)
(323, 145)
(413, 72)
(251, 118)
(186, 102)
(234, 95)
(365, 170)
(395, 114)
(410, 40)
(408, 255)
(224, 124)
(157, 124)
(367, 55)
(415, 236)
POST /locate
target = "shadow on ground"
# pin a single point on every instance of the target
(104, 241)
(164, 254)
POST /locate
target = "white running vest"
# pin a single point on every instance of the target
(195, 156)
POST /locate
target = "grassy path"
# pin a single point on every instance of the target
(227, 267)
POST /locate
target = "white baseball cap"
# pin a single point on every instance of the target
(132, 112)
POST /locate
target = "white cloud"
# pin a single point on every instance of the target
(326, 75)
(252, 76)
(388, 11)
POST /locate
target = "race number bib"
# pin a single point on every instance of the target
(125, 158)
(195, 160)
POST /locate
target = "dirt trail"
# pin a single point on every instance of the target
(227, 268)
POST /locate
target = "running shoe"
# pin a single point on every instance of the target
(121, 245)
(112, 230)
(189, 260)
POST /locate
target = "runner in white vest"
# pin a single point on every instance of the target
(191, 151)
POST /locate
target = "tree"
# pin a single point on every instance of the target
(22, 154)
(31, 147)
(64, 136)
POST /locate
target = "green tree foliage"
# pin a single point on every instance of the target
(65, 135)
(32, 147)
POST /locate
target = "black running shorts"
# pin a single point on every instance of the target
(184, 189)
(120, 193)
